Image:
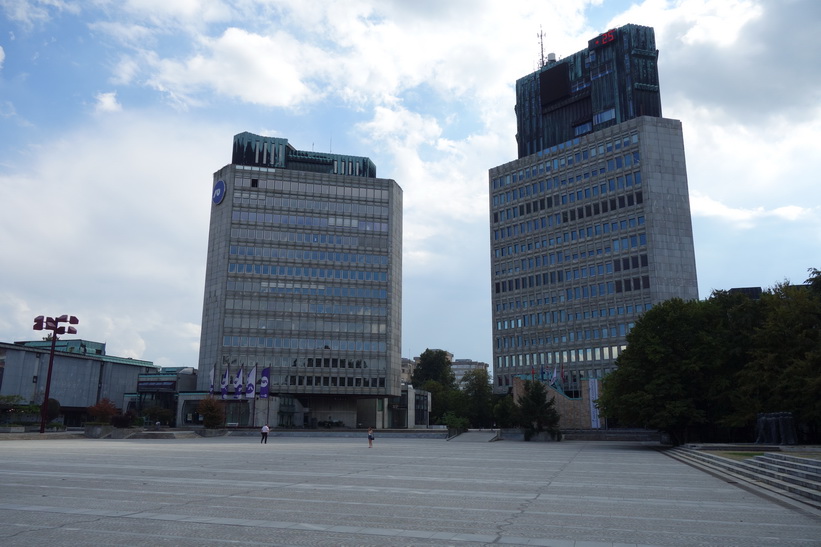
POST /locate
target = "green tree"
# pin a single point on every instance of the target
(53, 409)
(706, 369)
(159, 414)
(660, 382)
(505, 412)
(536, 413)
(456, 422)
(212, 411)
(434, 364)
(784, 373)
(476, 388)
(438, 400)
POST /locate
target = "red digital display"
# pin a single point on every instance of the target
(602, 39)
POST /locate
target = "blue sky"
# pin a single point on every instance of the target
(115, 114)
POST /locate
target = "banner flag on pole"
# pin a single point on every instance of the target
(593, 395)
(238, 387)
(213, 373)
(251, 383)
(224, 383)
(263, 382)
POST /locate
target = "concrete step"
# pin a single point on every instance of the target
(781, 482)
(476, 437)
(801, 467)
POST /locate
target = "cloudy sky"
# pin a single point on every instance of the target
(115, 113)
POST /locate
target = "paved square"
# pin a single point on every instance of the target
(315, 491)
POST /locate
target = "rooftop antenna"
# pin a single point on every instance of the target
(541, 47)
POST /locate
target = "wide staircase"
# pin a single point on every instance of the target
(793, 477)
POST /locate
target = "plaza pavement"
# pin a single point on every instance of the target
(315, 491)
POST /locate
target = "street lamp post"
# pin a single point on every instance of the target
(52, 324)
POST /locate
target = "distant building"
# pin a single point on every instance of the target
(303, 287)
(82, 375)
(753, 293)
(407, 369)
(591, 226)
(161, 389)
(461, 367)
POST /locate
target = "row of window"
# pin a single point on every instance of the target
(523, 341)
(307, 188)
(570, 215)
(560, 276)
(563, 316)
(565, 160)
(303, 324)
(309, 237)
(334, 381)
(570, 378)
(297, 254)
(564, 237)
(551, 183)
(575, 293)
(280, 305)
(306, 289)
(561, 357)
(298, 271)
(302, 343)
(611, 185)
(255, 199)
(539, 261)
(322, 222)
(282, 363)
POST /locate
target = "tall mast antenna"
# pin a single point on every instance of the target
(541, 47)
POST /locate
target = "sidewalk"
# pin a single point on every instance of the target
(313, 491)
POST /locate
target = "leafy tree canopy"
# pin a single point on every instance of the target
(479, 394)
(536, 413)
(707, 368)
(434, 364)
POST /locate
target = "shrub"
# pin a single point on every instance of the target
(122, 420)
(53, 409)
(212, 411)
(103, 411)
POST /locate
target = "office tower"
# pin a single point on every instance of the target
(304, 279)
(592, 230)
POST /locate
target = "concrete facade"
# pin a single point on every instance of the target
(78, 380)
(591, 226)
(304, 284)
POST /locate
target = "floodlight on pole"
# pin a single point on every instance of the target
(52, 324)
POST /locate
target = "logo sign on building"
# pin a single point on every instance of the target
(219, 192)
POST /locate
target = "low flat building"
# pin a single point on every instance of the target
(82, 375)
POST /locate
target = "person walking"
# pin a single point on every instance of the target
(265, 430)
(370, 437)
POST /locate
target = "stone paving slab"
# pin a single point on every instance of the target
(337, 491)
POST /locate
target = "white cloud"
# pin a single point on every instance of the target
(2, 56)
(119, 228)
(107, 102)
(31, 12)
(269, 71)
(705, 206)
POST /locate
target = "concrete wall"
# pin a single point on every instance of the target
(574, 413)
(76, 380)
